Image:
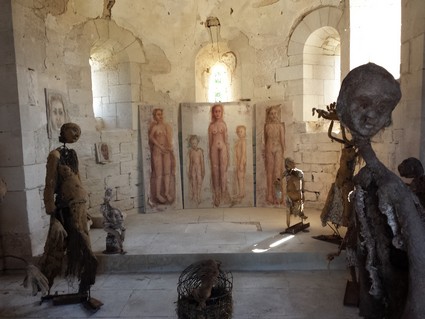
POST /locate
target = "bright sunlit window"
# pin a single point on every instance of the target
(375, 30)
(219, 83)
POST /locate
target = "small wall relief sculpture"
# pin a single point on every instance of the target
(271, 152)
(160, 153)
(57, 115)
(218, 155)
(103, 153)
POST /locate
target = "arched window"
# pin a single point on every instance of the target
(219, 83)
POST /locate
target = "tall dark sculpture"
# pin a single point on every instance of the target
(391, 234)
(65, 201)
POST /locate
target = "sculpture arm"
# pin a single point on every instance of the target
(51, 181)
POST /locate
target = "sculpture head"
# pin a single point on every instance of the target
(367, 97)
(217, 111)
(411, 168)
(289, 164)
(108, 195)
(70, 133)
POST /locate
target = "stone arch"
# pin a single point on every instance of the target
(117, 56)
(314, 38)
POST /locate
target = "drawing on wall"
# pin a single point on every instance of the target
(103, 152)
(226, 144)
(57, 115)
(271, 152)
(160, 153)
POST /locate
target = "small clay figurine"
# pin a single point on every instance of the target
(113, 224)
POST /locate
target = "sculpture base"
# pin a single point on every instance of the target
(296, 228)
(89, 303)
(333, 239)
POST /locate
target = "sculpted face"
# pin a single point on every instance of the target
(70, 133)
(366, 100)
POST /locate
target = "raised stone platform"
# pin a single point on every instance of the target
(243, 239)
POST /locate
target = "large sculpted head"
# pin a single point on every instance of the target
(70, 133)
(367, 97)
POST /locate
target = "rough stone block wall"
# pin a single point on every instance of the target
(318, 157)
(122, 173)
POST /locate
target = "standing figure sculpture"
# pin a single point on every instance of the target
(196, 172)
(163, 162)
(294, 191)
(219, 154)
(391, 231)
(65, 200)
(274, 138)
(240, 152)
(113, 224)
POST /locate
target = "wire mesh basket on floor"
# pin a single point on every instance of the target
(218, 306)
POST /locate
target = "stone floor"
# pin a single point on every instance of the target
(274, 275)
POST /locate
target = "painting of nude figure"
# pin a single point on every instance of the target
(226, 154)
(271, 146)
(161, 173)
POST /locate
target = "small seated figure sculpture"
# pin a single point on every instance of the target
(113, 224)
(294, 190)
(412, 168)
(208, 275)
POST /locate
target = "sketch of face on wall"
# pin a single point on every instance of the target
(57, 115)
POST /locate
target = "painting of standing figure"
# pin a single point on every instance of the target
(219, 155)
(196, 172)
(240, 156)
(272, 121)
(160, 155)
(226, 142)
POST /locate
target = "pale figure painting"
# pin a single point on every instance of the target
(271, 152)
(219, 137)
(161, 173)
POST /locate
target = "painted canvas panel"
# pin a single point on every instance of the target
(272, 119)
(217, 155)
(57, 114)
(103, 153)
(161, 160)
